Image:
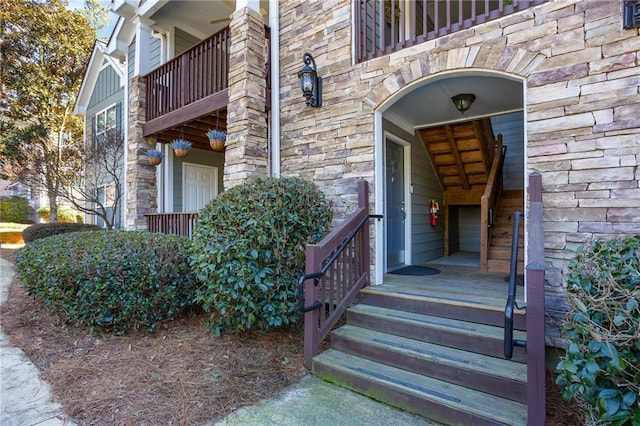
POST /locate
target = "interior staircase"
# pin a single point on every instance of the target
(436, 356)
(500, 242)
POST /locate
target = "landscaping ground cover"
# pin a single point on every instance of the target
(181, 374)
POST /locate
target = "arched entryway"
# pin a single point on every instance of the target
(411, 172)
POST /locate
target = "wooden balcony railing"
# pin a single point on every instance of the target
(172, 223)
(385, 26)
(197, 73)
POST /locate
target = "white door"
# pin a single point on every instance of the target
(200, 185)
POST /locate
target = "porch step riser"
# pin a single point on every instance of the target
(434, 330)
(431, 398)
(441, 308)
(506, 379)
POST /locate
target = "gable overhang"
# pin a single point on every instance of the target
(97, 62)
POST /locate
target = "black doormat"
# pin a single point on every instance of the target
(416, 271)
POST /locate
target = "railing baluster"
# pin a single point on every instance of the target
(377, 38)
(172, 223)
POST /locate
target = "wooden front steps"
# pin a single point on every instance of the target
(434, 350)
(500, 244)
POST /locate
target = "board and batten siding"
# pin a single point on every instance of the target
(196, 156)
(106, 92)
(511, 126)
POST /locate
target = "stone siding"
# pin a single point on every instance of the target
(246, 147)
(141, 176)
(582, 78)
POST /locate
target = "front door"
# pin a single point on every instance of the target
(200, 186)
(395, 205)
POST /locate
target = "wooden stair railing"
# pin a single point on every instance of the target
(489, 202)
(336, 269)
(534, 283)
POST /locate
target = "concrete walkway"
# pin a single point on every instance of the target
(25, 400)
(313, 402)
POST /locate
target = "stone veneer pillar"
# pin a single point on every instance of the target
(246, 147)
(141, 176)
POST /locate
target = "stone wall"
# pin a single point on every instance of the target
(582, 76)
(140, 176)
(246, 147)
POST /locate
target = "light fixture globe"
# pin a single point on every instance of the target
(463, 101)
(310, 83)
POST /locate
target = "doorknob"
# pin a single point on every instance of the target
(404, 213)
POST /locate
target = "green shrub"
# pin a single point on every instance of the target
(14, 209)
(248, 251)
(601, 369)
(43, 230)
(64, 215)
(112, 280)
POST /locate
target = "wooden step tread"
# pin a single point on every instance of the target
(452, 357)
(469, 329)
(469, 297)
(399, 387)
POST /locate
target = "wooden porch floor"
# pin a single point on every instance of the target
(456, 285)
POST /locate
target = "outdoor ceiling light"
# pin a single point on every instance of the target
(463, 101)
(310, 83)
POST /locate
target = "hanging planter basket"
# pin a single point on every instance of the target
(217, 138)
(154, 157)
(181, 147)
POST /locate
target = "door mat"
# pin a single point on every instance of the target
(416, 271)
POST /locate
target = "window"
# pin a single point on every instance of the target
(105, 120)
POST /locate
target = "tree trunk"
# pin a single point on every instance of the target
(53, 208)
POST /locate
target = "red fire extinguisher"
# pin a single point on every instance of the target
(433, 212)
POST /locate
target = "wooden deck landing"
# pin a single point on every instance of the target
(455, 285)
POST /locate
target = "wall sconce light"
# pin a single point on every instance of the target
(463, 101)
(310, 83)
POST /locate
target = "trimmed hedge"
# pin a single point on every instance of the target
(601, 369)
(248, 251)
(42, 230)
(65, 215)
(111, 280)
(14, 209)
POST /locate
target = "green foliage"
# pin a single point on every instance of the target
(64, 215)
(248, 251)
(601, 369)
(42, 230)
(14, 209)
(45, 48)
(111, 280)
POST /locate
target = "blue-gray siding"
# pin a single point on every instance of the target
(131, 58)
(184, 41)
(155, 48)
(107, 91)
(511, 126)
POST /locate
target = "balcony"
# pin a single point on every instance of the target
(191, 89)
(385, 26)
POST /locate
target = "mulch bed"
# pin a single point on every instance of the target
(180, 374)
